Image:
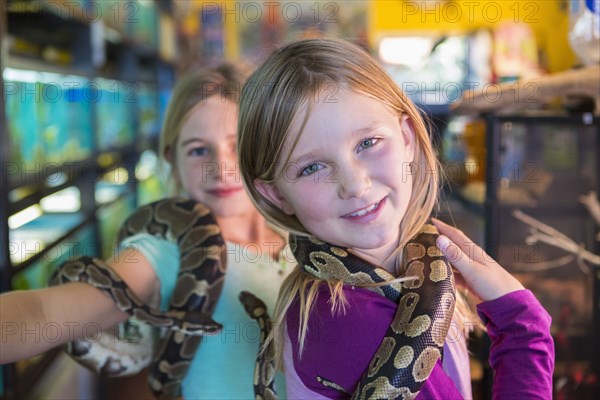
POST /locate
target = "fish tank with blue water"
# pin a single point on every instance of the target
(148, 110)
(117, 202)
(115, 113)
(49, 117)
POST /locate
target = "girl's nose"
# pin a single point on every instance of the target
(353, 181)
(227, 165)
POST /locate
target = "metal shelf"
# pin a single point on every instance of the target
(43, 25)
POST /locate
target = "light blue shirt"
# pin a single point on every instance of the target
(223, 367)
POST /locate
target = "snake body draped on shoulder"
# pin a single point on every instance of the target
(415, 338)
(192, 227)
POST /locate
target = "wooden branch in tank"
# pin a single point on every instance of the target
(532, 93)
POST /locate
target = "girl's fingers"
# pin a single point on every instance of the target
(461, 240)
(474, 274)
(456, 256)
(483, 275)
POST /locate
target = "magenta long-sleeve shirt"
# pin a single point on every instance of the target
(339, 347)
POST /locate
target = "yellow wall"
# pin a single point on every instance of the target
(548, 19)
(191, 23)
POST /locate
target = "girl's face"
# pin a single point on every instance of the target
(206, 158)
(348, 180)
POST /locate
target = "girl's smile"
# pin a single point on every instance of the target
(367, 214)
(225, 191)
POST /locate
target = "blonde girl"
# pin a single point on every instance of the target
(198, 141)
(330, 148)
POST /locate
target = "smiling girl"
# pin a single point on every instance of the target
(198, 140)
(333, 151)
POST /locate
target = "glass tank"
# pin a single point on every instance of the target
(543, 225)
(115, 111)
(48, 117)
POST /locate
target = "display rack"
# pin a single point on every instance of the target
(83, 86)
(541, 166)
(6, 373)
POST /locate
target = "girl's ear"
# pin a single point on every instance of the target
(168, 154)
(271, 193)
(170, 158)
(408, 134)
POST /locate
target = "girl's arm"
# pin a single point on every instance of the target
(34, 321)
(522, 352)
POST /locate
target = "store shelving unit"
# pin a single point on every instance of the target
(540, 163)
(6, 374)
(84, 84)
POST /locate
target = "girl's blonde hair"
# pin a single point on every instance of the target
(272, 97)
(195, 87)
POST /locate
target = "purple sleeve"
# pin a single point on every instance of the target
(522, 352)
(339, 347)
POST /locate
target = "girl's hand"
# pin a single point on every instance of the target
(484, 276)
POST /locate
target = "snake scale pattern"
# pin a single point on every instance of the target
(264, 371)
(415, 338)
(202, 271)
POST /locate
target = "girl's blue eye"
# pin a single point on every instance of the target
(311, 169)
(198, 151)
(367, 143)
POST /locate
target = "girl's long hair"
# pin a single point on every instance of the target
(272, 97)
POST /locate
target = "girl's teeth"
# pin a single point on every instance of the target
(365, 211)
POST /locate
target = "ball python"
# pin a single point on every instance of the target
(413, 342)
(200, 279)
(264, 370)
